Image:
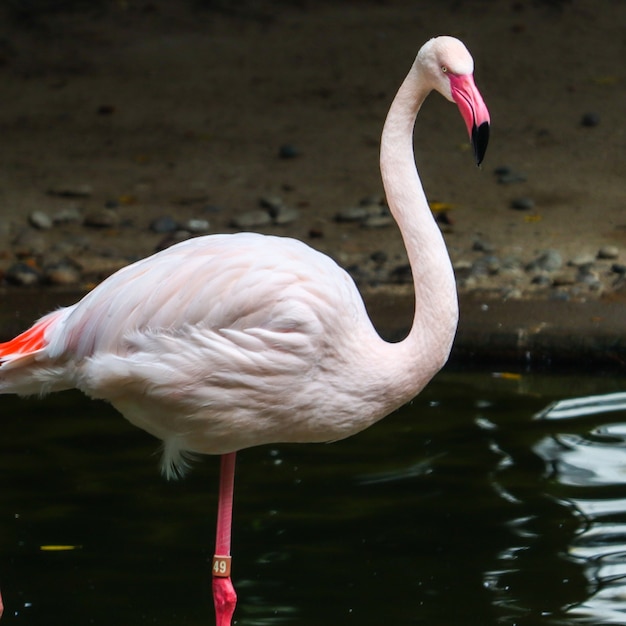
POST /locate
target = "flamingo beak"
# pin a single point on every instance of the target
(473, 110)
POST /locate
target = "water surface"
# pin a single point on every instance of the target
(472, 505)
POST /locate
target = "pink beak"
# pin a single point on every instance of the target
(473, 110)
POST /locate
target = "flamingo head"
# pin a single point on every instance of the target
(451, 70)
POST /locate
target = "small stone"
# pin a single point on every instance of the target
(22, 274)
(487, 265)
(588, 277)
(285, 215)
(40, 220)
(288, 151)
(507, 176)
(102, 218)
(252, 219)
(71, 191)
(164, 224)
(541, 280)
(378, 221)
(271, 203)
(589, 120)
(618, 268)
(522, 204)
(548, 261)
(353, 214)
(62, 274)
(480, 245)
(563, 280)
(197, 226)
(64, 216)
(608, 252)
(379, 257)
(582, 260)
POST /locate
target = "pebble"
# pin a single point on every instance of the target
(271, 203)
(608, 252)
(164, 224)
(197, 226)
(508, 176)
(252, 219)
(288, 151)
(101, 218)
(71, 191)
(66, 215)
(62, 274)
(285, 215)
(618, 268)
(480, 245)
(523, 203)
(40, 220)
(582, 260)
(549, 261)
(22, 274)
(378, 221)
(590, 120)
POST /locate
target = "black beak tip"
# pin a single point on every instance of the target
(480, 139)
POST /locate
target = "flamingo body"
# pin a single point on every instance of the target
(228, 341)
(220, 343)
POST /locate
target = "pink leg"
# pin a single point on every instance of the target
(224, 596)
(1, 606)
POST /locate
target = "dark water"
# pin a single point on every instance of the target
(466, 507)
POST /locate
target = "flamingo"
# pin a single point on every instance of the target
(228, 341)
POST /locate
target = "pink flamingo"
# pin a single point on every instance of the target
(229, 341)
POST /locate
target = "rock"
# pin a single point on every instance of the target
(618, 268)
(541, 280)
(581, 260)
(507, 176)
(608, 252)
(522, 204)
(197, 226)
(71, 191)
(271, 203)
(102, 218)
(288, 151)
(22, 274)
(285, 215)
(487, 265)
(588, 277)
(64, 216)
(378, 221)
(589, 120)
(62, 274)
(252, 219)
(164, 224)
(379, 257)
(549, 261)
(352, 214)
(480, 245)
(40, 220)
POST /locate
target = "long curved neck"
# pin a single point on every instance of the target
(436, 309)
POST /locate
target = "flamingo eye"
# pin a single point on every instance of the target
(444, 69)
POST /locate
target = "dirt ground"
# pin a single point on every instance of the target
(171, 108)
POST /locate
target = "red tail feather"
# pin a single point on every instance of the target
(29, 341)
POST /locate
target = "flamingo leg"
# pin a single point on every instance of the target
(224, 596)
